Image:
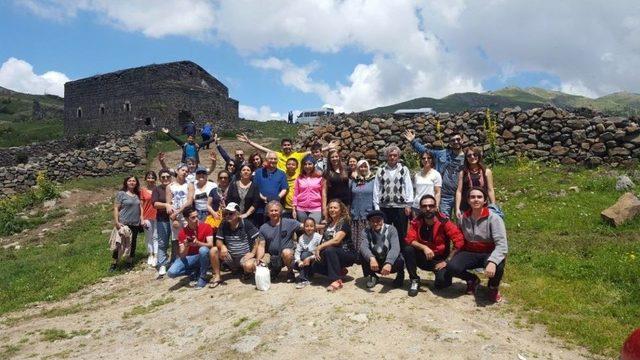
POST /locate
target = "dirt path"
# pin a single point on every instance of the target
(135, 315)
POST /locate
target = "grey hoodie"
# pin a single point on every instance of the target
(482, 233)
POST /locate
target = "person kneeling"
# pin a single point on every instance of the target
(429, 242)
(485, 245)
(239, 242)
(196, 251)
(380, 250)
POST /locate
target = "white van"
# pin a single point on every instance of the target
(413, 112)
(309, 116)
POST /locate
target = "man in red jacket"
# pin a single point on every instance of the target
(429, 239)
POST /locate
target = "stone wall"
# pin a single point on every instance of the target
(546, 134)
(110, 156)
(147, 98)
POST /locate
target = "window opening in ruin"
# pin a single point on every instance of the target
(79, 113)
(147, 121)
(127, 106)
(101, 109)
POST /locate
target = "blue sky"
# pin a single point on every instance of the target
(353, 55)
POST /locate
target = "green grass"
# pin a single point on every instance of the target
(52, 271)
(567, 268)
(52, 335)
(25, 133)
(143, 310)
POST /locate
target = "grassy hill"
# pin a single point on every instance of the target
(18, 126)
(622, 103)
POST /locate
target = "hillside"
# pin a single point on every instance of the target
(23, 122)
(622, 103)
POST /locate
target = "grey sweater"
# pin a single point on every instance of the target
(391, 242)
(487, 229)
(306, 243)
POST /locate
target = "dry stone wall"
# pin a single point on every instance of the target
(111, 155)
(546, 134)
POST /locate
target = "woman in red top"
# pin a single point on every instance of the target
(473, 174)
(149, 217)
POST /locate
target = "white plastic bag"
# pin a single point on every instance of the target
(263, 278)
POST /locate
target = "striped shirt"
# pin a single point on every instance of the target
(239, 241)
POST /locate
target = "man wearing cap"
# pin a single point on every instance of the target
(271, 183)
(196, 251)
(429, 244)
(380, 250)
(278, 233)
(239, 243)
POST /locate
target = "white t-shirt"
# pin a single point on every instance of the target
(179, 194)
(191, 178)
(425, 184)
(201, 196)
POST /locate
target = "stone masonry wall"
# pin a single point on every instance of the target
(110, 156)
(546, 134)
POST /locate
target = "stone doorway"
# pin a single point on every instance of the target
(184, 117)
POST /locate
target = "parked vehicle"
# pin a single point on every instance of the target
(413, 112)
(309, 116)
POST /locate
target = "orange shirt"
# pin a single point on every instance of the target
(148, 211)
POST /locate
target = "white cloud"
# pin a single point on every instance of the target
(18, 75)
(264, 113)
(577, 88)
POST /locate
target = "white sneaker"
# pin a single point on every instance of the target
(162, 271)
(154, 261)
(149, 259)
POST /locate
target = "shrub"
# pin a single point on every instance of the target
(491, 129)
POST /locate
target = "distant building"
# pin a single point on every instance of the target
(148, 97)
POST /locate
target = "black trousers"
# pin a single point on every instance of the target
(465, 260)
(416, 258)
(135, 230)
(397, 217)
(333, 259)
(397, 266)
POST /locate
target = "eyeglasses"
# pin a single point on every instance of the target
(473, 155)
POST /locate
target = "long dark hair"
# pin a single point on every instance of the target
(253, 167)
(330, 170)
(136, 190)
(467, 167)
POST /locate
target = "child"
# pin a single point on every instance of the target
(303, 256)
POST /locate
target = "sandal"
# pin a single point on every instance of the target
(214, 284)
(334, 286)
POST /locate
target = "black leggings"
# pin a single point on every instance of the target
(397, 266)
(465, 260)
(135, 230)
(416, 258)
(399, 219)
(333, 259)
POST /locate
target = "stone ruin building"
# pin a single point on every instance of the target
(147, 98)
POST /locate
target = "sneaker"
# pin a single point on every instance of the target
(149, 260)
(162, 271)
(302, 284)
(201, 284)
(399, 280)
(154, 261)
(494, 295)
(291, 277)
(414, 287)
(472, 285)
(113, 267)
(372, 280)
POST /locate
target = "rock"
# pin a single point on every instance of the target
(359, 318)
(371, 154)
(246, 344)
(102, 165)
(626, 208)
(598, 149)
(65, 194)
(508, 135)
(548, 114)
(574, 189)
(624, 183)
(619, 151)
(559, 150)
(49, 204)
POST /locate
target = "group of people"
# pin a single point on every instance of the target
(315, 212)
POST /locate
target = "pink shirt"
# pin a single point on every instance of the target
(307, 193)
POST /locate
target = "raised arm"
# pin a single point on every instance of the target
(415, 142)
(162, 160)
(173, 137)
(245, 139)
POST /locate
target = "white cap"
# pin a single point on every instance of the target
(232, 207)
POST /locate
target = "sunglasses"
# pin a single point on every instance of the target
(165, 177)
(428, 206)
(473, 155)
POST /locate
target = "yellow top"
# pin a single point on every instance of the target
(282, 161)
(288, 199)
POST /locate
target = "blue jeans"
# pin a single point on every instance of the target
(164, 238)
(446, 204)
(198, 264)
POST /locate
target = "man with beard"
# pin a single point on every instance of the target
(449, 162)
(429, 244)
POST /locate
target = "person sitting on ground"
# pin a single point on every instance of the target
(336, 252)
(473, 174)
(485, 245)
(127, 211)
(380, 251)
(287, 151)
(448, 162)
(239, 243)
(278, 233)
(272, 185)
(196, 251)
(429, 244)
(303, 257)
(189, 147)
